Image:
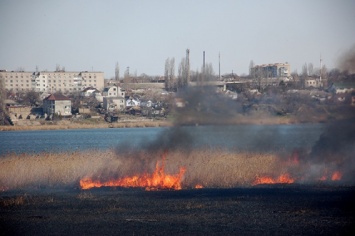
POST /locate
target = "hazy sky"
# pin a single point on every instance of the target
(141, 34)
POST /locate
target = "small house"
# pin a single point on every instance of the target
(57, 104)
(89, 92)
(132, 102)
(114, 98)
(113, 91)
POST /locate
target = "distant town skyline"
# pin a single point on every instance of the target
(95, 35)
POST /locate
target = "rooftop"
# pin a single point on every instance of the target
(56, 97)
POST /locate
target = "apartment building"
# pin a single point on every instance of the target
(51, 81)
(271, 70)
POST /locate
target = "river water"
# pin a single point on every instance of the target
(239, 137)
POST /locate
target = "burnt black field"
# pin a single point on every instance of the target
(266, 209)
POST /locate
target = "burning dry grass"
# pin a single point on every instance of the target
(220, 168)
(197, 168)
(209, 168)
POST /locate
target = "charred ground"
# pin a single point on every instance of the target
(280, 209)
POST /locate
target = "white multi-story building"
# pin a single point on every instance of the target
(114, 98)
(51, 81)
(271, 70)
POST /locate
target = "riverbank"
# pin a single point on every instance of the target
(139, 122)
(84, 124)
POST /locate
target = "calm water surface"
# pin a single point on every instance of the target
(241, 137)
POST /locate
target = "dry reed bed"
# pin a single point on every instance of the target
(211, 168)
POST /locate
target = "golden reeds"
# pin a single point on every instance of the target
(209, 167)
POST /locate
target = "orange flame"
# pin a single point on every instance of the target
(336, 176)
(284, 179)
(323, 178)
(157, 180)
(198, 186)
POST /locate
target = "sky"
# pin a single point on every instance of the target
(87, 35)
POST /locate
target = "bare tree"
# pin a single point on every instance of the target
(166, 74)
(304, 75)
(183, 74)
(251, 66)
(126, 73)
(304, 70)
(209, 73)
(172, 72)
(310, 69)
(31, 98)
(324, 72)
(117, 73)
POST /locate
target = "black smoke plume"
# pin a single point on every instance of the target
(347, 61)
(204, 105)
(334, 151)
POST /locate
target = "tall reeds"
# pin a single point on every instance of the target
(209, 167)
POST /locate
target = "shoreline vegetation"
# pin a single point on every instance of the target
(144, 122)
